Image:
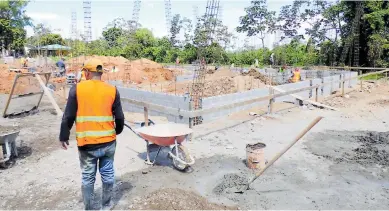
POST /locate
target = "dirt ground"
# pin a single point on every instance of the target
(340, 164)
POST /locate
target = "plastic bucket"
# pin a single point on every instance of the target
(255, 155)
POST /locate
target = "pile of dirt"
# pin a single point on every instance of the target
(257, 75)
(24, 85)
(338, 102)
(136, 71)
(176, 199)
(220, 73)
(221, 86)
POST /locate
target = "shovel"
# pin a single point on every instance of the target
(259, 173)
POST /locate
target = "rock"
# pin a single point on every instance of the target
(347, 96)
(145, 172)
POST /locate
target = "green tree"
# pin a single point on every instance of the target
(258, 20)
(111, 35)
(175, 28)
(12, 22)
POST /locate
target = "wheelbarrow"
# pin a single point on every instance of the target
(170, 136)
(7, 147)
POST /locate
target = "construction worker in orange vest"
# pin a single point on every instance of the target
(96, 108)
(296, 77)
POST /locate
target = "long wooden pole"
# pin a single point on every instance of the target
(275, 158)
(10, 95)
(48, 94)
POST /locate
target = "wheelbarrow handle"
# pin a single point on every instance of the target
(142, 125)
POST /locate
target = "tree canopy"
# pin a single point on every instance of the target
(314, 32)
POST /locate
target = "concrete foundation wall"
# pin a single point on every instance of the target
(210, 102)
(167, 100)
(182, 102)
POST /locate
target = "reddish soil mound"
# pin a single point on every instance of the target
(139, 71)
(136, 71)
(24, 85)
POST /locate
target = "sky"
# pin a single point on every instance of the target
(57, 15)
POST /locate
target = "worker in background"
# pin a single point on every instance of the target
(95, 107)
(296, 77)
(61, 66)
(282, 69)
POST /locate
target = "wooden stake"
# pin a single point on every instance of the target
(270, 107)
(317, 94)
(146, 116)
(48, 94)
(360, 81)
(190, 120)
(10, 95)
(343, 89)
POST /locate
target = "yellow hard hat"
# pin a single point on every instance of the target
(93, 65)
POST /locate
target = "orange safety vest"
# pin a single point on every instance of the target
(296, 76)
(94, 121)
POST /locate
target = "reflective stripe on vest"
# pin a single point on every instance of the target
(95, 121)
(95, 133)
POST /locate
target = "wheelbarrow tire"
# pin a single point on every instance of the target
(183, 154)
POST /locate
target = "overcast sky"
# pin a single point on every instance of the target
(57, 15)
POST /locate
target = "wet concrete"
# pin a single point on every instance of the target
(363, 147)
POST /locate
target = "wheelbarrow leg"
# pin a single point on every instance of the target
(148, 162)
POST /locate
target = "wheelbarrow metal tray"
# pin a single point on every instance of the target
(164, 134)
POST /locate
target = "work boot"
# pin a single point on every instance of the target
(87, 195)
(106, 201)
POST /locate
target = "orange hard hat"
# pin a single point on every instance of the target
(93, 65)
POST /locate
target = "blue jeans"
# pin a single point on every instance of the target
(89, 160)
(101, 157)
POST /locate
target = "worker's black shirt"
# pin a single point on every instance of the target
(70, 114)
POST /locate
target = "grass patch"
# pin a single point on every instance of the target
(374, 76)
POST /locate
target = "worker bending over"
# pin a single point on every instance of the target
(61, 66)
(95, 107)
(296, 77)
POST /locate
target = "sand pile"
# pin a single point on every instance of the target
(225, 85)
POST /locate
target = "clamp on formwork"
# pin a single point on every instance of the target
(44, 91)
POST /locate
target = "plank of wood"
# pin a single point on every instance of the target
(308, 101)
(48, 94)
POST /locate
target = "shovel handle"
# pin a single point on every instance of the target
(302, 133)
